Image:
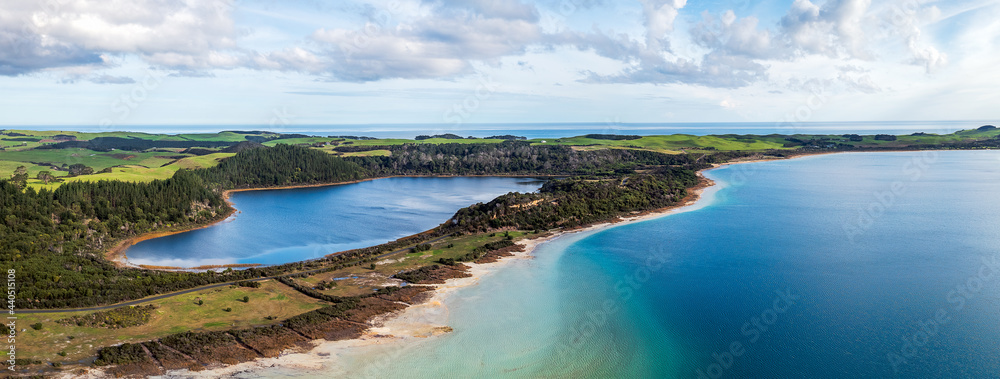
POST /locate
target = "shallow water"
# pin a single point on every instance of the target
(289, 225)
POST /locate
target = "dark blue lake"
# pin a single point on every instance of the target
(279, 226)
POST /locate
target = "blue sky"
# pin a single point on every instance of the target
(151, 62)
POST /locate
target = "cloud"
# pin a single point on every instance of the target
(857, 79)
(737, 51)
(729, 103)
(23, 50)
(835, 29)
(108, 79)
(848, 28)
(905, 22)
(503, 9)
(846, 78)
(186, 73)
(442, 39)
(38, 35)
(736, 36)
(659, 21)
(730, 62)
(442, 44)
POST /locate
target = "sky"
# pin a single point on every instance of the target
(278, 63)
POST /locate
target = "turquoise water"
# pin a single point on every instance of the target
(297, 224)
(840, 266)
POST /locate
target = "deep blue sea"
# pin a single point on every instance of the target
(290, 225)
(836, 266)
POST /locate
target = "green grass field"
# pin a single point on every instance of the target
(7, 168)
(138, 173)
(125, 166)
(95, 159)
(173, 315)
(84, 136)
(671, 143)
(369, 153)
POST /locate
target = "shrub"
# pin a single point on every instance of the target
(113, 319)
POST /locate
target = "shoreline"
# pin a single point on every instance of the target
(427, 319)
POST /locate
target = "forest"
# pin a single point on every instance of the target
(510, 158)
(578, 201)
(54, 239)
(281, 165)
(134, 144)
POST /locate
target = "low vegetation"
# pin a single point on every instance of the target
(123, 317)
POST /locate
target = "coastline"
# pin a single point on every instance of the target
(428, 319)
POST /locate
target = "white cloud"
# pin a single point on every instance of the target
(659, 21)
(905, 21)
(835, 29)
(729, 103)
(442, 44)
(736, 36)
(109, 79)
(45, 34)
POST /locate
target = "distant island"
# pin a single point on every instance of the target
(73, 201)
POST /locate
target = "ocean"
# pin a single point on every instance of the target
(556, 130)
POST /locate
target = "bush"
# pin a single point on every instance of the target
(247, 283)
(420, 247)
(113, 319)
(122, 354)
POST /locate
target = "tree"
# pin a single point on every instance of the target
(20, 177)
(45, 176)
(80, 169)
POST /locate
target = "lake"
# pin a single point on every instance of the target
(833, 266)
(289, 225)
